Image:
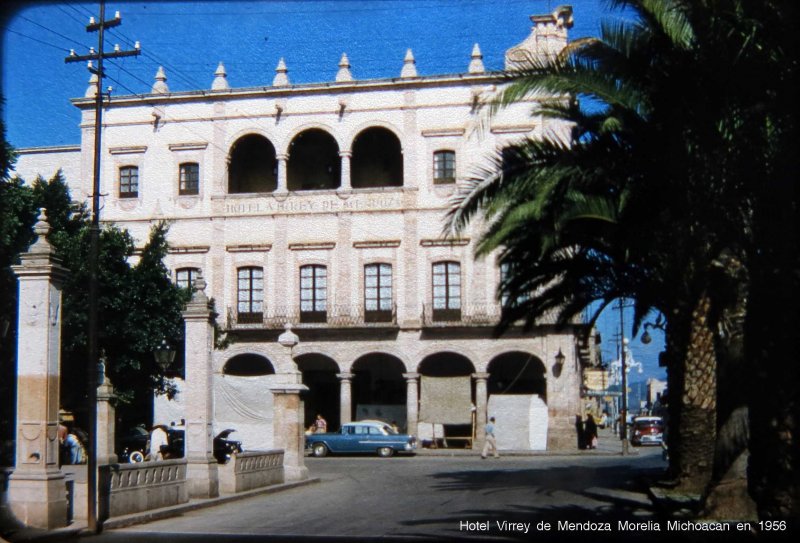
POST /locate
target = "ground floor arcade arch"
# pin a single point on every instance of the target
(320, 376)
(379, 388)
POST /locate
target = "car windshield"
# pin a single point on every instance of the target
(388, 430)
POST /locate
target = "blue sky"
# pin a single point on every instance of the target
(190, 38)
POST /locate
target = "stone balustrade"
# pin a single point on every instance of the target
(130, 488)
(251, 469)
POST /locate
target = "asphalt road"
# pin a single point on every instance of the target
(402, 498)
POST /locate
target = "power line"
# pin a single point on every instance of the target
(34, 39)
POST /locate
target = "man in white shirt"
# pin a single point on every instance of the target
(158, 437)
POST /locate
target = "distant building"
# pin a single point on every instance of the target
(321, 206)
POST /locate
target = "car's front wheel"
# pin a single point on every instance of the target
(319, 450)
(385, 452)
(135, 457)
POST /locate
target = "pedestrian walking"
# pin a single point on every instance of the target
(590, 430)
(490, 441)
(580, 432)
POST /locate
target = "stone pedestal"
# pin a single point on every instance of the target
(412, 402)
(105, 424)
(289, 431)
(202, 472)
(37, 490)
(345, 397)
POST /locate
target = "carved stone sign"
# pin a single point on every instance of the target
(318, 204)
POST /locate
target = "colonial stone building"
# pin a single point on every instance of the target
(321, 206)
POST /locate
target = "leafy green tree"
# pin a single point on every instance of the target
(138, 305)
(656, 198)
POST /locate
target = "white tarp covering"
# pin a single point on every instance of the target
(241, 403)
(521, 421)
(426, 431)
(446, 400)
(245, 404)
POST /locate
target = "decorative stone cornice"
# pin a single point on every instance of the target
(460, 242)
(376, 244)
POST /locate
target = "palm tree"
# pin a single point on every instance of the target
(652, 199)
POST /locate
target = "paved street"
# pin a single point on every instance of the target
(420, 497)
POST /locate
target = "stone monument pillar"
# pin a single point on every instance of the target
(37, 491)
(288, 414)
(105, 424)
(480, 408)
(345, 397)
(202, 473)
(412, 402)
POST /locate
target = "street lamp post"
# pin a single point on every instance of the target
(164, 355)
(624, 413)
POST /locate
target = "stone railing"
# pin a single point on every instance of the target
(251, 469)
(130, 488)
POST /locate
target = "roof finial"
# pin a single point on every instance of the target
(409, 65)
(160, 86)
(281, 77)
(476, 64)
(344, 69)
(220, 78)
(41, 229)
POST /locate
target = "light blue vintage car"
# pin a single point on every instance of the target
(361, 437)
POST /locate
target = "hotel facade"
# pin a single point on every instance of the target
(321, 207)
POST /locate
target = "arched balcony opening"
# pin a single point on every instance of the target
(314, 161)
(377, 159)
(248, 365)
(252, 165)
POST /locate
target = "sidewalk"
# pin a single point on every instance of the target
(79, 527)
(608, 444)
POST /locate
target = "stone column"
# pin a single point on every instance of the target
(282, 164)
(412, 402)
(37, 491)
(345, 397)
(563, 394)
(105, 424)
(202, 474)
(481, 403)
(289, 431)
(346, 183)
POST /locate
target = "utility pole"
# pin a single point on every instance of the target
(623, 422)
(93, 360)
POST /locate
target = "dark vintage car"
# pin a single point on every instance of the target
(135, 443)
(224, 447)
(647, 431)
(363, 437)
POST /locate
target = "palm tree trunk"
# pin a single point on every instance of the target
(697, 403)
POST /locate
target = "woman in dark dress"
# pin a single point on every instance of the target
(590, 431)
(580, 431)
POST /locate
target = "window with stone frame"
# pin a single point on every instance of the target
(378, 293)
(189, 179)
(185, 277)
(313, 293)
(446, 282)
(444, 167)
(129, 182)
(250, 294)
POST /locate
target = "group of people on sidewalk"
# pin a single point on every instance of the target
(586, 431)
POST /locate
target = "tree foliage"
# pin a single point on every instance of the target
(138, 305)
(665, 194)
